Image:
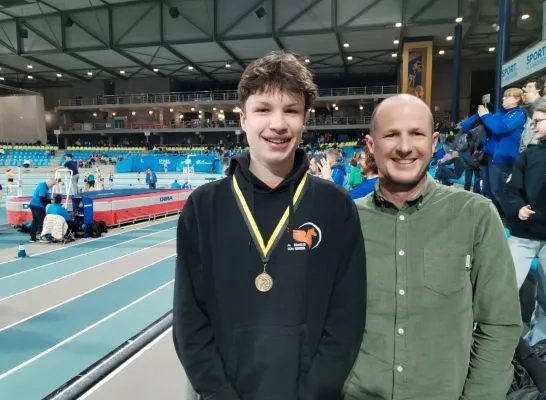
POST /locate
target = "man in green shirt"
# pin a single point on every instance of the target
(438, 262)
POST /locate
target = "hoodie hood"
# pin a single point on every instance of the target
(255, 188)
(240, 165)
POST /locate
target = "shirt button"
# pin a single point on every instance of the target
(399, 368)
(402, 292)
(401, 252)
(402, 218)
(401, 331)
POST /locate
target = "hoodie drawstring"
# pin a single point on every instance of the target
(251, 201)
(291, 207)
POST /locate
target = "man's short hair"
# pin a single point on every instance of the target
(334, 153)
(57, 198)
(539, 83)
(278, 70)
(68, 155)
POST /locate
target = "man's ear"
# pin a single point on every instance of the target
(369, 143)
(435, 137)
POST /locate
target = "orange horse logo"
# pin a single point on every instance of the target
(305, 236)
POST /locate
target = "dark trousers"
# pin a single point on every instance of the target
(498, 175)
(471, 170)
(445, 173)
(38, 216)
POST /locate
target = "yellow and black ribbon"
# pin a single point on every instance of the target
(265, 249)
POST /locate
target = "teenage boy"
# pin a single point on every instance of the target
(270, 285)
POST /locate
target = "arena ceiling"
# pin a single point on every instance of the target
(56, 41)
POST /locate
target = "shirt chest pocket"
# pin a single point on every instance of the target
(446, 272)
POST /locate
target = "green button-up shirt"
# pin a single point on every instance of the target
(436, 266)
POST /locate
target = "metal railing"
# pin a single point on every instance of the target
(200, 124)
(211, 96)
(325, 121)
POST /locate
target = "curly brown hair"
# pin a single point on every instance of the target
(278, 70)
(369, 162)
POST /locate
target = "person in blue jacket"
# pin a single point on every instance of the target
(176, 185)
(40, 199)
(501, 143)
(338, 168)
(56, 208)
(151, 179)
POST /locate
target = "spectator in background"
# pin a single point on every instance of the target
(151, 178)
(10, 177)
(525, 206)
(176, 185)
(91, 181)
(40, 199)
(368, 168)
(313, 166)
(72, 166)
(431, 276)
(186, 184)
(533, 93)
(338, 169)
(443, 171)
(355, 175)
(504, 129)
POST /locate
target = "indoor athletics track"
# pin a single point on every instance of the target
(64, 308)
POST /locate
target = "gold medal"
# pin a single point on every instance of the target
(264, 282)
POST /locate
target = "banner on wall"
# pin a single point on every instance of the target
(529, 62)
(204, 164)
(417, 69)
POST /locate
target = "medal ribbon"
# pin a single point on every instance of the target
(263, 248)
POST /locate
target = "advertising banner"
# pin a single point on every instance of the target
(530, 62)
(203, 164)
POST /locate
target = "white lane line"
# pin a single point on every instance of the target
(78, 242)
(124, 365)
(80, 255)
(43, 353)
(83, 270)
(83, 294)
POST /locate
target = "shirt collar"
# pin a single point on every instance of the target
(412, 205)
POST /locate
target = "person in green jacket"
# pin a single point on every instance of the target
(443, 318)
(355, 177)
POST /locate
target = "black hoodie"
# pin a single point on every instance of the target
(298, 341)
(527, 186)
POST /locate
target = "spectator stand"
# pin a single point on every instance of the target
(101, 155)
(38, 155)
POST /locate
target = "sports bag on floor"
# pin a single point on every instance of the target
(529, 363)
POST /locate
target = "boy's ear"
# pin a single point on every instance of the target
(242, 117)
(306, 118)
